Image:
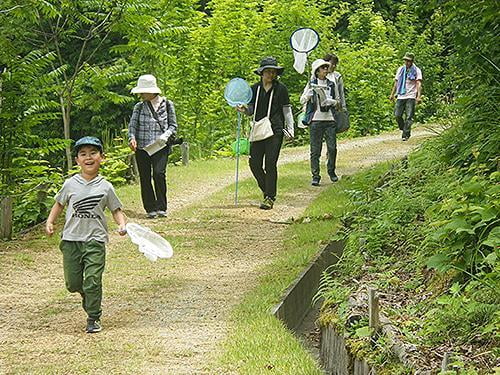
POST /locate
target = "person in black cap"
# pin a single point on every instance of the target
(270, 98)
(84, 236)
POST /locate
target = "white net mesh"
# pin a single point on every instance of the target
(151, 244)
(300, 61)
(304, 40)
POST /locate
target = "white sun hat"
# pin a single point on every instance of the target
(146, 84)
(316, 64)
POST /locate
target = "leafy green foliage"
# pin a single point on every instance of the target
(468, 236)
(478, 312)
(117, 165)
(420, 215)
(36, 183)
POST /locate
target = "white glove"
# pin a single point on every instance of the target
(287, 113)
(165, 136)
(329, 102)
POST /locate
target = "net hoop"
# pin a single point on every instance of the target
(301, 45)
(237, 92)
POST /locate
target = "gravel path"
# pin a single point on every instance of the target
(386, 146)
(160, 318)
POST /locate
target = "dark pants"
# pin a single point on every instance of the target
(317, 131)
(405, 106)
(266, 177)
(153, 200)
(83, 264)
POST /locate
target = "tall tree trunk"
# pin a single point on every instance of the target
(67, 123)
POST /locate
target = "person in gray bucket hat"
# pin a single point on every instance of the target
(269, 99)
(269, 63)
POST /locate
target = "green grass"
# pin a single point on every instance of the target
(259, 342)
(396, 212)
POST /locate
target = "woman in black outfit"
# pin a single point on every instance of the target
(264, 154)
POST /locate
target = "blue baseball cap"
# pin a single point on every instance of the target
(88, 141)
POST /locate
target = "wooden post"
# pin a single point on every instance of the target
(135, 169)
(373, 310)
(6, 218)
(185, 153)
(446, 361)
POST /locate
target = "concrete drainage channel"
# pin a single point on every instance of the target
(297, 312)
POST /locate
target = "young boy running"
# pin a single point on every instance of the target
(84, 236)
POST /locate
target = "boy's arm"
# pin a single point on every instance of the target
(54, 213)
(119, 219)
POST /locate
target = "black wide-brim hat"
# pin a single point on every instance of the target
(269, 63)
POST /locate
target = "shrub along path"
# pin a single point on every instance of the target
(165, 317)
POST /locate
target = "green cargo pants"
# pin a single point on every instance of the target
(83, 264)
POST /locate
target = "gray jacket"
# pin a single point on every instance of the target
(336, 77)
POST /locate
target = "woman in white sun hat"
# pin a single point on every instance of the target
(321, 101)
(152, 127)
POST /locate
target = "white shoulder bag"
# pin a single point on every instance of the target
(261, 129)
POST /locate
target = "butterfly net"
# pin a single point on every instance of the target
(302, 42)
(237, 92)
(151, 244)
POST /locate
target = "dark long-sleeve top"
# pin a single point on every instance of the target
(280, 99)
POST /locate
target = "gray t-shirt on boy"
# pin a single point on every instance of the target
(86, 202)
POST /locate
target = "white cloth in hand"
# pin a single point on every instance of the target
(329, 102)
(165, 136)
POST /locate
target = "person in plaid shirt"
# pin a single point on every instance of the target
(153, 122)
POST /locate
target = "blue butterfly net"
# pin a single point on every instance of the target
(238, 92)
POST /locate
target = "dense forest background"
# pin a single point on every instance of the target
(430, 223)
(67, 67)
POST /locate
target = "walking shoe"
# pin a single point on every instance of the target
(151, 215)
(315, 181)
(405, 139)
(162, 213)
(267, 204)
(334, 178)
(93, 326)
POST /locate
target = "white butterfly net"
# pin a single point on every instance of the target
(151, 244)
(303, 41)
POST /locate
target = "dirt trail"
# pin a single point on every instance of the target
(160, 318)
(386, 147)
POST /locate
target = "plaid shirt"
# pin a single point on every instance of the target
(145, 129)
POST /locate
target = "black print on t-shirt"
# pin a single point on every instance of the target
(82, 208)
